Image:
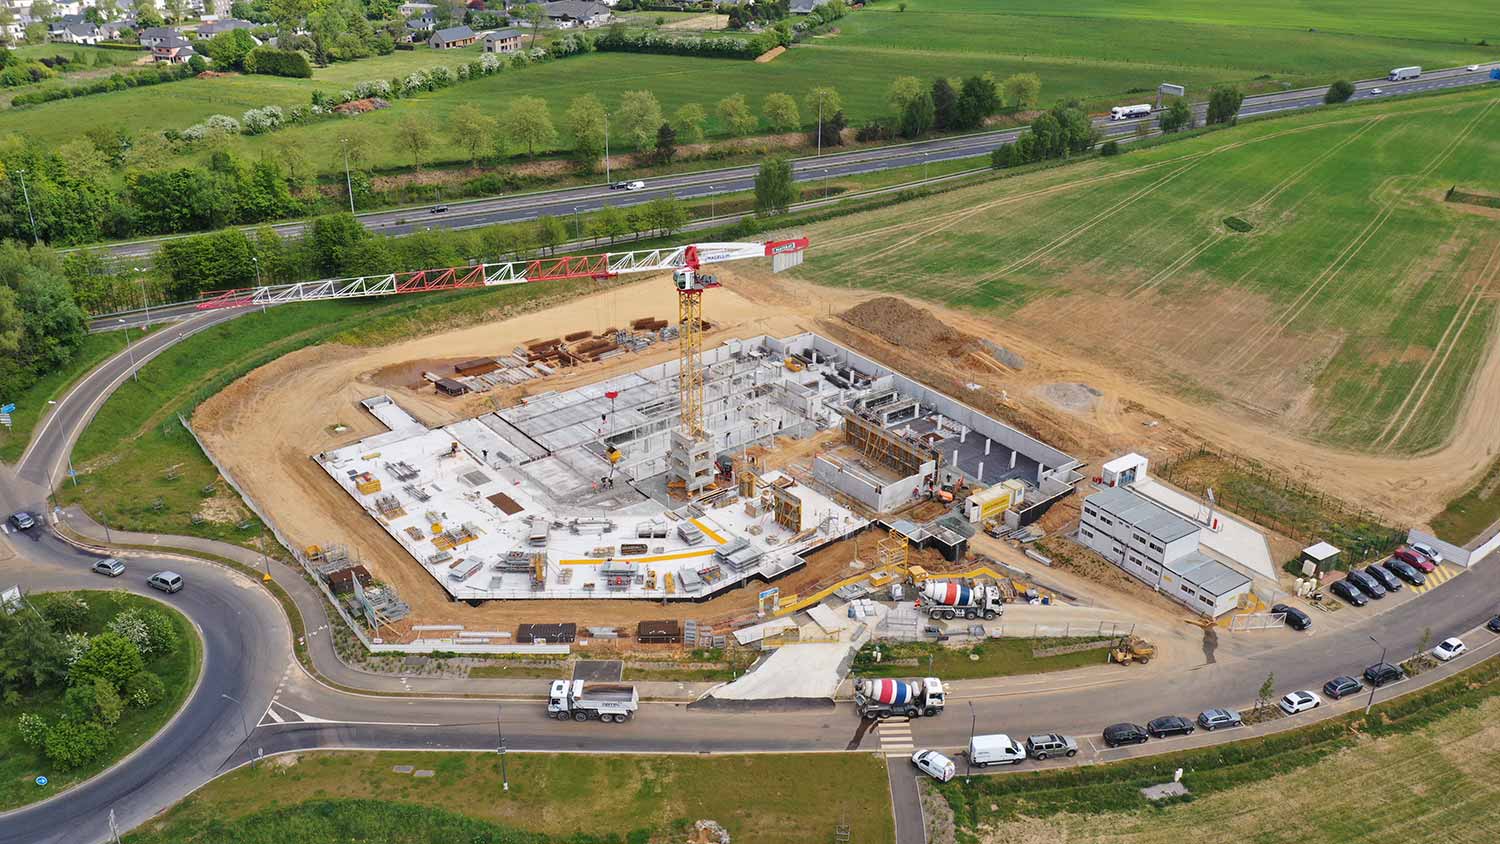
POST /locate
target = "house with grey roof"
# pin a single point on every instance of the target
(502, 41)
(453, 36)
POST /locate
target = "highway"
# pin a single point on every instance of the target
(567, 201)
(248, 658)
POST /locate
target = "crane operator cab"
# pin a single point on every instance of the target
(688, 280)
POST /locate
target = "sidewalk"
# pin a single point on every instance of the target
(318, 639)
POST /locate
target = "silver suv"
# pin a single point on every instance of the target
(1040, 747)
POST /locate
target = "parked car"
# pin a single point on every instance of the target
(166, 581)
(438, 209)
(1415, 560)
(934, 764)
(997, 749)
(1052, 744)
(1404, 571)
(1432, 554)
(1341, 687)
(1365, 583)
(1493, 624)
(1387, 580)
(109, 567)
(1295, 618)
(1382, 673)
(1302, 701)
(1213, 719)
(1349, 592)
(22, 520)
(1169, 725)
(1125, 733)
(1450, 648)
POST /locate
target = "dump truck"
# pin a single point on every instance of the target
(579, 700)
(886, 698)
(948, 599)
(1132, 649)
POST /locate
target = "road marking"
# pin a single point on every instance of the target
(895, 737)
(1437, 577)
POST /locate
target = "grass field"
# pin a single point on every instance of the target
(1355, 312)
(1434, 783)
(31, 404)
(20, 765)
(996, 658)
(1099, 52)
(765, 799)
(1468, 515)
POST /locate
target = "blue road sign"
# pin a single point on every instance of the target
(9, 408)
(41, 780)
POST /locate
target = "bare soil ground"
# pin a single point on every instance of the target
(265, 426)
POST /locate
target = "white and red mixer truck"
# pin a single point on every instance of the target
(950, 599)
(884, 698)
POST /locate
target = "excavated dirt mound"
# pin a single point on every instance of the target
(902, 324)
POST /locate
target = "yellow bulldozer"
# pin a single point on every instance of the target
(1132, 649)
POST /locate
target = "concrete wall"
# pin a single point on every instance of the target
(1453, 553)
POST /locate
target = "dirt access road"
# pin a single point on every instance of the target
(265, 426)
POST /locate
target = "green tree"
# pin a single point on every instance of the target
(144, 689)
(550, 232)
(831, 132)
(228, 49)
(336, 243)
(534, 15)
(977, 99)
(32, 729)
(666, 215)
(1022, 90)
(609, 222)
(1264, 694)
(640, 117)
(1339, 92)
(472, 129)
(43, 10)
(1177, 116)
(944, 105)
(903, 90)
(823, 101)
(67, 613)
(31, 653)
(72, 744)
(917, 118)
(666, 143)
(688, 120)
(109, 656)
(735, 117)
(528, 123)
(775, 189)
(781, 112)
(1224, 105)
(412, 135)
(586, 124)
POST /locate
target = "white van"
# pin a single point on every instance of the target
(997, 749)
(935, 765)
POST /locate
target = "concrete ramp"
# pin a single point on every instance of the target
(807, 671)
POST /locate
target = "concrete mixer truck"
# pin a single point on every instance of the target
(948, 599)
(885, 698)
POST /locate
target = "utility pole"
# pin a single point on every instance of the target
(820, 127)
(30, 216)
(348, 182)
(1371, 702)
(969, 754)
(145, 298)
(607, 180)
(500, 735)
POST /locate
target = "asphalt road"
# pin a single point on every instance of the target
(568, 201)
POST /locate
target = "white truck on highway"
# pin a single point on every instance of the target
(580, 700)
(1130, 112)
(886, 698)
(1402, 73)
(950, 599)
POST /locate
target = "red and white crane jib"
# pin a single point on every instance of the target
(784, 254)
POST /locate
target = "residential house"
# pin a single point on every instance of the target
(176, 50)
(79, 33)
(115, 30)
(502, 41)
(568, 13)
(209, 30)
(453, 36)
(418, 28)
(805, 7)
(152, 36)
(409, 10)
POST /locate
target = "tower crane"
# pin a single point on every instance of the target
(684, 262)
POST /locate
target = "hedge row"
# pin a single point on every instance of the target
(113, 82)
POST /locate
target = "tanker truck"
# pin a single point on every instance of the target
(885, 698)
(950, 599)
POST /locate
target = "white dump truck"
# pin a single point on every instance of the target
(579, 700)
(948, 599)
(885, 698)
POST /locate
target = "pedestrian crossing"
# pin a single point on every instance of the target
(1437, 577)
(895, 737)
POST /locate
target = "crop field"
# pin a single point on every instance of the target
(1098, 52)
(1355, 311)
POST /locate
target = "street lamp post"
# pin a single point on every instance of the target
(577, 226)
(825, 182)
(130, 348)
(240, 707)
(348, 182)
(924, 166)
(969, 754)
(500, 735)
(145, 297)
(820, 127)
(1371, 701)
(30, 216)
(606, 148)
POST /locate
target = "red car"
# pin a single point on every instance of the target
(1413, 559)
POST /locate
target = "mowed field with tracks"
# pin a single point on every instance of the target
(1355, 312)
